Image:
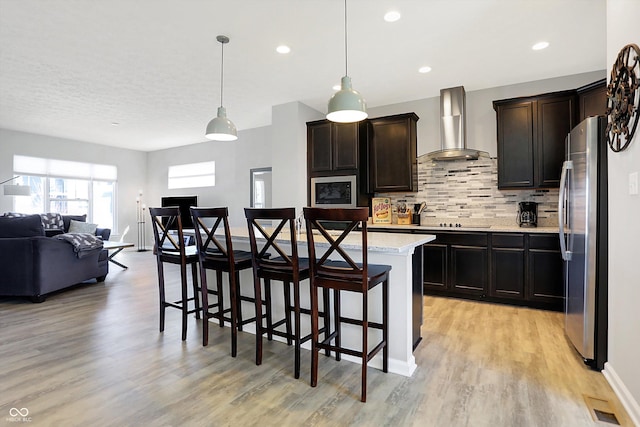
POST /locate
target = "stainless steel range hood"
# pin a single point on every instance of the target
(453, 128)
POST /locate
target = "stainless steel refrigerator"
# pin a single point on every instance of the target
(582, 213)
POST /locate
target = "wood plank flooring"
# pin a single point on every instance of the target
(93, 356)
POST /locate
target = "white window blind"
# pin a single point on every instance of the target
(192, 175)
(26, 165)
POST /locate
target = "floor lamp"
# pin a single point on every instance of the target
(140, 208)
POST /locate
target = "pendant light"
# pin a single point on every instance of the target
(221, 128)
(346, 105)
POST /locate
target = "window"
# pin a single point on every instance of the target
(69, 188)
(192, 175)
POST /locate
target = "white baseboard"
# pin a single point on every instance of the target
(630, 404)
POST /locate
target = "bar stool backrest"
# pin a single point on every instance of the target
(281, 261)
(164, 221)
(342, 268)
(211, 247)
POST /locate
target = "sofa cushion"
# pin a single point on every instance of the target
(82, 227)
(25, 226)
(14, 215)
(67, 220)
(52, 221)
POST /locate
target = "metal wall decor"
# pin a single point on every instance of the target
(623, 98)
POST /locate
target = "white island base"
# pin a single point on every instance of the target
(393, 249)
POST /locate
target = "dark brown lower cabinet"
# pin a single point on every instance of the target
(457, 262)
(508, 266)
(546, 271)
(514, 268)
(469, 269)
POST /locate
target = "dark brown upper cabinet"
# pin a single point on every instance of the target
(335, 147)
(592, 100)
(392, 153)
(531, 138)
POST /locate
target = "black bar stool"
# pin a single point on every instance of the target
(284, 266)
(173, 250)
(216, 253)
(343, 274)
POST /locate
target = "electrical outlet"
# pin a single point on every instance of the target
(633, 183)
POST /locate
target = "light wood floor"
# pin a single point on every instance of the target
(93, 356)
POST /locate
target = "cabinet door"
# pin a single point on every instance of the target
(507, 273)
(435, 266)
(320, 148)
(469, 270)
(515, 144)
(392, 150)
(555, 120)
(545, 271)
(345, 146)
(592, 100)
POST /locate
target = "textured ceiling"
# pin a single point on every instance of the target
(70, 68)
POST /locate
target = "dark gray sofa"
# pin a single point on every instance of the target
(33, 265)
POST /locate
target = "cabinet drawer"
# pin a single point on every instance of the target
(463, 239)
(544, 241)
(507, 240)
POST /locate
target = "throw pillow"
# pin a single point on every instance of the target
(23, 226)
(82, 227)
(67, 220)
(52, 221)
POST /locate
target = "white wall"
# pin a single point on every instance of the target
(131, 164)
(233, 161)
(481, 118)
(623, 366)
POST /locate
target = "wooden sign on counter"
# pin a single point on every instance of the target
(381, 210)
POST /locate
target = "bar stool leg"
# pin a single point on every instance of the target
(185, 297)
(238, 299)
(267, 298)
(385, 325)
(234, 312)
(286, 288)
(205, 306)
(365, 347)
(194, 281)
(296, 334)
(220, 297)
(162, 295)
(259, 332)
(314, 336)
(338, 326)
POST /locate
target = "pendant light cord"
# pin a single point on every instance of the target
(346, 68)
(221, 73)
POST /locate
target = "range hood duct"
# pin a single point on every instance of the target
(453, 128)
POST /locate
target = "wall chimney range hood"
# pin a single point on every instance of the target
(453, 128)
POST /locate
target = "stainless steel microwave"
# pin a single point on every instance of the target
(334, 191)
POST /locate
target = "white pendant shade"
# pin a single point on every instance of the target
(347, 105)
(221, 128)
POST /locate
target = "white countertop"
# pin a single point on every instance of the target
(376, 242)
(485, 229)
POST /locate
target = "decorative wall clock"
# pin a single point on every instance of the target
(623, 98)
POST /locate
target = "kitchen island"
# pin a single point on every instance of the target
(394, 249)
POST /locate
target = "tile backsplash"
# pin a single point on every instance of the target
(467, 192)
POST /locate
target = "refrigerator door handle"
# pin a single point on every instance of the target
(566, 166)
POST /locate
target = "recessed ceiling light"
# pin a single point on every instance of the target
(283, 49)
(392, 16)
(424, 69)
(115, 124)
(540, 45)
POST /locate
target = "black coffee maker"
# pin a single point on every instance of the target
(528, 214)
